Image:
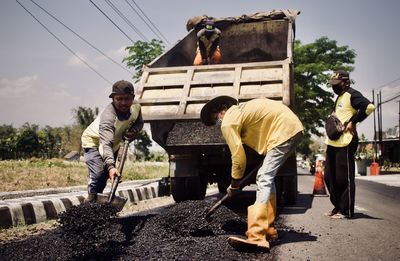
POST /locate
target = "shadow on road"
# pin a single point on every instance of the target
(304, 202)
(293, 236)
(362, 215)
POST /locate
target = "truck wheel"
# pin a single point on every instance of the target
(290, 190)
(223, 183)
(188, 188)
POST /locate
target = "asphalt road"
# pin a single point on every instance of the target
(373, 234)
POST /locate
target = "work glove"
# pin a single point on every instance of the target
(234, 188)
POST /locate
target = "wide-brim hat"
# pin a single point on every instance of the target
(212, 106)
(338, 76)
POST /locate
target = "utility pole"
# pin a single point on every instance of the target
(375, 146)
(399, 118)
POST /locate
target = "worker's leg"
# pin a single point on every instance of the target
(261, 215)
(98, 173)
(197, 59)
(271, 164)
(346, 179)
(216, 57)
(330, 173)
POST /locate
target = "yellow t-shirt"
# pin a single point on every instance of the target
(261, 124)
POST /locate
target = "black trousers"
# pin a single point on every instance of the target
(340, 176)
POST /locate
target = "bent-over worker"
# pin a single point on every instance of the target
(271, 129)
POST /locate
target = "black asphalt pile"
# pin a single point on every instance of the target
(179, 232)
(91, 230)
(194, 133)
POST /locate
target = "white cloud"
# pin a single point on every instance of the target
(19, 86)
(74, 61)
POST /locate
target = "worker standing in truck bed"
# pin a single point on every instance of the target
(208, 39)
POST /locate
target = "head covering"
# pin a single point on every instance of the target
(122, 87)
(209, 25)
(213, 106)
(338, 76)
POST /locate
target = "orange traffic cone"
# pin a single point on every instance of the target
(319, 184)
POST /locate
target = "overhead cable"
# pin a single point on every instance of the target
(127, 21)
(98, 8)
(61, 42)
(158, 34)
(150, 21)
(80, 37)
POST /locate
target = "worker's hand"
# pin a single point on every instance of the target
(232, 192)
(351, 128)
(130, 135)
(112, 173)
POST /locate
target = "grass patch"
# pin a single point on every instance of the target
(39, 174)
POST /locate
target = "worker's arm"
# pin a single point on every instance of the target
(133, 131)
(215, 43)
(106, 132)
(231, 134)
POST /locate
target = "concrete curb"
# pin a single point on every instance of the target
(32, 210)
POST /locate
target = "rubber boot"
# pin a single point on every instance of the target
(272, 233)
(257, 227)
(91, 197)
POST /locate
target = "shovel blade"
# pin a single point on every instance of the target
(117, 202)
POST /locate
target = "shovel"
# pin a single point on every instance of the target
(117, 202)
(243, 183)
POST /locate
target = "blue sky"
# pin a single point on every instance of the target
(41, 81)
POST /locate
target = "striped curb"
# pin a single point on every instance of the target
(32, 210)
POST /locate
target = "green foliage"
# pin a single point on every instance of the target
(313, 64)
(142, 144)
(84, 116)
(142, 53)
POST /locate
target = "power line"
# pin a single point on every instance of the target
(98, 8)
(391, 99)
(150, 21)
(80, 37)
(159, 35)
(386, 84)
(61, 42)
(131, 25)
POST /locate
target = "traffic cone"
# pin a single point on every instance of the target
(319, 184)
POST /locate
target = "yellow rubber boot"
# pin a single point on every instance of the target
(257, 227)
(272, 233)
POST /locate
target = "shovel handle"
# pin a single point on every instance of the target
(242, 184)
(120, 168)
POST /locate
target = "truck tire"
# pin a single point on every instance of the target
(287, 190)
(188, 188)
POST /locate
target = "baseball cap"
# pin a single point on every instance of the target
(338, 76)
(122, 87)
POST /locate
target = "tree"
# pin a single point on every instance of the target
(142, 144)
(7, 142)
(313, 64)
(84, 116)
(27, 141)
(142, 53)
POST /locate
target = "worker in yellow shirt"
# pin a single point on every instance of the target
(271, 129)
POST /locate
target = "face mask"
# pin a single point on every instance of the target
(337, 89)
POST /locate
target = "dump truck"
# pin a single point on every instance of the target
(257, 61)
